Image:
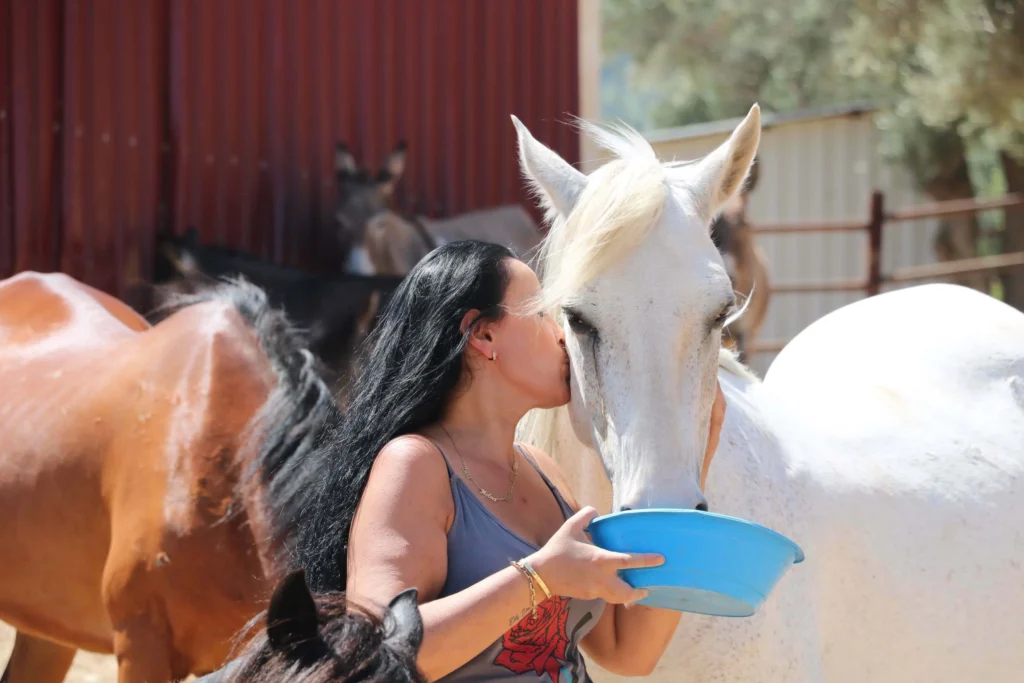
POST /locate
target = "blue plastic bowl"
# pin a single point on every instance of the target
(714, 564)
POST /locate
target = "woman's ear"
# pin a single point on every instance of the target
(481, 333)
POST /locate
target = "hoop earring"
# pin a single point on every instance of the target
(494, 355)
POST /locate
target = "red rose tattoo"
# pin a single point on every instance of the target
(538, 643)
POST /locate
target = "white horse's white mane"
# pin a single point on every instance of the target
(620, 205)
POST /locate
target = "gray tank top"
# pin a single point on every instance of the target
(545, 648)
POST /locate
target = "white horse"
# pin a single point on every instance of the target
(896, 468)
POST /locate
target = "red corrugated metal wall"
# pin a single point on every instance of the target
(121, 117)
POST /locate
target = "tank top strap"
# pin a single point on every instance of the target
(447, 463)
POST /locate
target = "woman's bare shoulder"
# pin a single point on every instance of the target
(398, 534)
(553, 472)
(410, 469)
(412, 448)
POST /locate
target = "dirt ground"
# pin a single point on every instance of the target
(87, 667)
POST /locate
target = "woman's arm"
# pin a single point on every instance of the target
(399, 539)
(629, 640)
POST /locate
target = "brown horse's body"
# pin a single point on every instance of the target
(748, 268)
(120, 447)
(747, 265)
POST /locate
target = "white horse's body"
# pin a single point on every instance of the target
(898, 469)
(899, 473)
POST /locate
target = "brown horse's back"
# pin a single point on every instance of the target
(118, 469)
(53, 331)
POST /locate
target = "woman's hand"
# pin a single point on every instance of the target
(571, 566)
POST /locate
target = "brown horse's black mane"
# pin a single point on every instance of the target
(331, 310)
(293, 434)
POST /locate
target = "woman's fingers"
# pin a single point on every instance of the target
(578, 522)
(620, 593)
(635, 560)
(607, 563)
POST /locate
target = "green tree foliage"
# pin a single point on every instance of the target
(948, 75)
(709, 59)
(935, 65)
(942, 64)
(951, 73)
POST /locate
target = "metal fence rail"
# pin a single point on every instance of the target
(874, 279)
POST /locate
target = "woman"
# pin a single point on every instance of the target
(484, 528)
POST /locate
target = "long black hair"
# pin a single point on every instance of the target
(412, 364)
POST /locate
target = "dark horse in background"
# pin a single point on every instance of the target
(318, 638)
(378, 238)
(152, 478)
(336, 312)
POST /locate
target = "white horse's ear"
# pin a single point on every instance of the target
(723, 171)
(555, 180)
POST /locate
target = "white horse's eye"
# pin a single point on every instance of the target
(577, 323)
(726, 312)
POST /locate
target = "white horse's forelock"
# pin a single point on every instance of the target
(621, 204)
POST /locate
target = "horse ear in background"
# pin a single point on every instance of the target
(292, 621)
(392, 170)
(344, 161)
(403, 625)
(752, 176)
(311, 639)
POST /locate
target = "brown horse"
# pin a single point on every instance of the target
(747, 266)
(150, 477)
(337, 312)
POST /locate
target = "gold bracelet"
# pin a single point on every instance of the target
(529, 577)
(536, 577)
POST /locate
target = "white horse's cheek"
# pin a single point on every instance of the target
(587, 420)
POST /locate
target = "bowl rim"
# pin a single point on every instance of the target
(798, 551)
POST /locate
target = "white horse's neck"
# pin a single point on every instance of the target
(752, 476)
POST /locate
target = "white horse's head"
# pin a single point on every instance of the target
(643, 295)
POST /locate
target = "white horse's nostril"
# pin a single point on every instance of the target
(703, 507)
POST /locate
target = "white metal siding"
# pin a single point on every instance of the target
(820, 170)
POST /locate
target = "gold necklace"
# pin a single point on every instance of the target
(483, 492)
